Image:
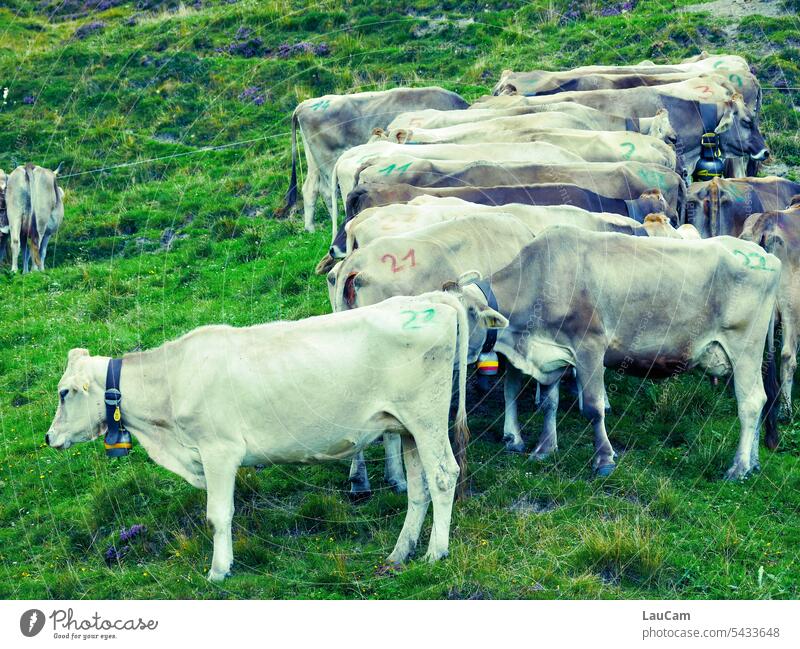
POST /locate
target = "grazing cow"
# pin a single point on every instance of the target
(592, 146)
(538, 82)
(222, 397)
(4, 229)
(392, 159)
(614, 179)
(778, 232)
(596, 300)
(722, 205)
(690, 107)
(35, 205)
(556, 115)
(332, 124)
(369, 195)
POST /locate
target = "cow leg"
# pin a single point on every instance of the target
(418, 500)
(26, 259)
(310, 192)
(548, 441)
(441, 472)
(359, 481)
(220, 467)
(15, 242)
(590, 380)
(512, 386)
(750, 400)
(393, 471)
(43, 250)
(788, 367)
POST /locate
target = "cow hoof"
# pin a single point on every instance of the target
(736, 473)
(359, 496)
(605, 470)
(399, 487)
(515, 447)
(540, 456)
(388, 569)
(310, 228)
(216, 577)
(435, 555)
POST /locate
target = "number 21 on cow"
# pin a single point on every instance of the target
(396, 268)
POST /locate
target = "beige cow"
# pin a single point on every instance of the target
(318, 389)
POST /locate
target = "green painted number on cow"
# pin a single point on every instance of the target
(653, 178)
(393, 167)
(322, 104)
(748, 257)
(736, 78)
(737, 193)
(720, 65)
(631, 148)
(417, 319)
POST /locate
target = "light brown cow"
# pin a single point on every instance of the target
(35, 205)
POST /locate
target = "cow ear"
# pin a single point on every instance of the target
(726, 122)
(470, 277)
(492, 319)
(353, 282)
(379, 132)
(76, 353)
(401, 135)
(449, 286)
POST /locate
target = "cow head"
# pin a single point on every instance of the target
(738, 130)
(80, 416)
(661, 128)
(653, 201)
(480, 316)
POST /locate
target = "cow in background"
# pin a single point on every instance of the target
(332, 124)
(35, 205)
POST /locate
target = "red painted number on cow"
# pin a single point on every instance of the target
(704, 90)
(396, 268)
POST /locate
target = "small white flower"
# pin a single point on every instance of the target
(5, 96)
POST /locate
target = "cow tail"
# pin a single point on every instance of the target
(334, 199)
(291, 194)
(461, 432)
(772, 388)
(33, 242)
(769, 414)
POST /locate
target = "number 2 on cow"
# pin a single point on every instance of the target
(425, 316)
(397, 268)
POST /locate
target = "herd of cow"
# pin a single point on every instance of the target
(552, 224)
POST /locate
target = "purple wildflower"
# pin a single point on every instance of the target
(252, 94)
(29, 100)
(113, 555)
(131, 533)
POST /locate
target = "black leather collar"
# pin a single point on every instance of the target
(118, 439)
(491, 334)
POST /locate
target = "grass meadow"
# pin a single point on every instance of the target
(162, 235)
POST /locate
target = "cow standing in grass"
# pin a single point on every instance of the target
(651, 307)
(35, 205)
(318, 389)
(332, 124)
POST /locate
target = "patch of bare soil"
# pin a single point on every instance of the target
(740, 8)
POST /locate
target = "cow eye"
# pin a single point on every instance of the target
(747, 123)
(63, 395)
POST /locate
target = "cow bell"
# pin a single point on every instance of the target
(711, 163)
(487, 366)
(118, 443)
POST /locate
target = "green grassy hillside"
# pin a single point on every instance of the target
(161, 236)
